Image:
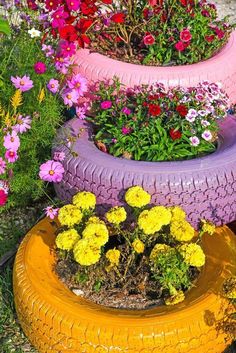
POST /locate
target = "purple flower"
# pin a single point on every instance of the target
(205, 123)
(59, 156)
(70, 97)
(22, 83)
(53, 85)
(11, 156)
(22, 124)
(194, 141)
(11, 141)
(49, 51)
(40, 68)
(51, 171)
(106, 105)
(51, 212)
(126, 130)
(79, 83)
(126, 111)
(2, 166)
(207, 135)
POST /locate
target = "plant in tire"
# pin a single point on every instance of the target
(150, 123)
(149, 257)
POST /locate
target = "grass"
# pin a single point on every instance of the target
(13, 226)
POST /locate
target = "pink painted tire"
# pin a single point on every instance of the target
(221, 67)
(205, 187)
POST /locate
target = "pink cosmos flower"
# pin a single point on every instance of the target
(67, 49)
(79, 83)
(51, 212)
(11, 156)
(59, 156)
(40, 68)
(3, 197)
(207, 135)
(2, 166)
(49, 51)
(185, 35)
(62, 64)
(106, 105)
(51, 171)
(59, 17)
(73, 5)
(22, 124)
(22, 83)
(194, 141)
(81, 112)
(180, 46)
(70, 97)
(53, 85)
(11, 141)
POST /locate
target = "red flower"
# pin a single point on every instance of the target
(52, 4)
(185, 35)
(220, 33)
(3, 197)
(187, 2)
(68, 33)
(180, 46)
(175, 134)
(107, 2)
(210, 39)
(154, 109)
(88, 7)
(118, 17)
(82, 40)
(149, 39)
(182, 110)
(84, 24)
(32, 5)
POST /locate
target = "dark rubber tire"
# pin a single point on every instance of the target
(205, 187)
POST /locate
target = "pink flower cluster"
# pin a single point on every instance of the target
(74, 88)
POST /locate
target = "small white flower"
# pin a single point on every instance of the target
(207, 135)
(202, 112)
(34, 33)
(194, 141)
(78, 292)
(205, 123)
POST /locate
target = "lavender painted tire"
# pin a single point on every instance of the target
(205, 187)
(221, 67)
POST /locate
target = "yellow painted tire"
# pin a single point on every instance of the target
(55, 320)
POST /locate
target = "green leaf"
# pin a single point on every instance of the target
(4, 27)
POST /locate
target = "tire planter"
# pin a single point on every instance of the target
(221, 67)
(205, 187)
(56, 320)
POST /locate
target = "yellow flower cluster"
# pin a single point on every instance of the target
(67, 239)
(159, 248)
(137, 197)
(113, 256)
(193, 254)
(178, 297)
(151, 221)
(86, 253)
(181, 230)
(177, 213)
(69, 215)
(85, 200)
(208, 227)
(229, 288)
(138, 246)
(116, 215)
(96, 233)
(95, 219)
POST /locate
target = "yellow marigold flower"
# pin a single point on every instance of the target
(193, 254)
(229, 288)
(85, 200)
(69, 215)
(138, 246)
(151, 221)
(163, 213)
(95, 219)
(177, 213)
(159, 248)
(113, 256)
(181, 230)
(67, 239)
(176, 298)
(208, 227)
(97, 233)
(86, 253)
(116, 215)
(137, 197)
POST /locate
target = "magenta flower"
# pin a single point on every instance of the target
(70, 97)
(106, 105)
(59, 156)
(51, 171)
(2, 166)
(79, 83)
(11, 156)
(126, 130)
(53, 85)
(51, 212)
(11, 141)
(73, 5)
(40, 68)
(62, 64)
(22, 124)
(67, 49)
(59, 17)
(126, 111)
(22, 83)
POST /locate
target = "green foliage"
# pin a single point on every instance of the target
(4, 27)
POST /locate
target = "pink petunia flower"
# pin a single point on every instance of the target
(2, 166)
(194, 141)
(51, 212)
(79, 83)
(126, 111)
(22, 124)
(59, 156)
(126, 130)
(106, 105)
(53, 85)
(11, 156)
(51, 171)
(70, 97)
(11, 141)
(3, 198)
(22, 83)
(205, 123)
(207, 135)
(40, 68)
(59, 17)
(67, 49)
(73, 5)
